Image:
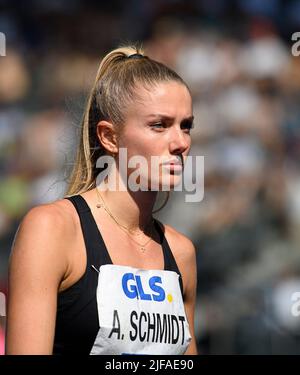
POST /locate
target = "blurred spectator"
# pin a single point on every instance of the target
(14, 77)
(236, 58)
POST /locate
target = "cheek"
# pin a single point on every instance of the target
(138, 149)
(138, 143)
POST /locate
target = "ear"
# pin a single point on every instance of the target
(107, 136)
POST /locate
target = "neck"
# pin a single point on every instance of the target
(131, 209)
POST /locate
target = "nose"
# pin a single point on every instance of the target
(180, 141)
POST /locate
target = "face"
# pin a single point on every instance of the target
(158, 124)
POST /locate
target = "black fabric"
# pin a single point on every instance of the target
(77, 321)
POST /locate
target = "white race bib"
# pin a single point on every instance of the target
(140, 312)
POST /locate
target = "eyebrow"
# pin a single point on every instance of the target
(166, 117)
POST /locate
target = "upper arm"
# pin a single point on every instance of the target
(185, 255)
(190, 274)
(37, 265)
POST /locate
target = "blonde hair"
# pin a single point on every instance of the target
(114, 88)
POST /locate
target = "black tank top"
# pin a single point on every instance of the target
(77, 322)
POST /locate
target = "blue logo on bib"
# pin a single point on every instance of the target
(133, 288)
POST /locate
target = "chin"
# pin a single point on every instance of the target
(169, 183)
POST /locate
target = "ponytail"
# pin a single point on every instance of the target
(113, 90)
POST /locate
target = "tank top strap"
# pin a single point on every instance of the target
(97, 253)
(170, 262)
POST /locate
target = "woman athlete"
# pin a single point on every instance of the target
(94, 272)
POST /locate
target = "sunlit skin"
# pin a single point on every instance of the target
(157, 124)
(52, 233)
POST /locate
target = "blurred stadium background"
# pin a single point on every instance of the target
(236, 57)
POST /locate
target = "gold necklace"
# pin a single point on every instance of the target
(124, 228)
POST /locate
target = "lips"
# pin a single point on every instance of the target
(173, 162)
(174, 166)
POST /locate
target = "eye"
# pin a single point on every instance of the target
(187, 125)
(158, 125)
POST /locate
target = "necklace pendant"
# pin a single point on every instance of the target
(143, 249)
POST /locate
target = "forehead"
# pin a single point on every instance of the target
(170, 98)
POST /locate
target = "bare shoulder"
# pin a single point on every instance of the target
(182, 247)
(53, 218)
(38, 264)
(179, 243)
(44, 232)
(184, 253)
